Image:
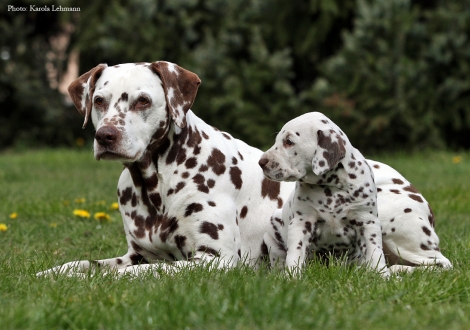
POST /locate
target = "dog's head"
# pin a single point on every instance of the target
(132, 104)
(307, 145)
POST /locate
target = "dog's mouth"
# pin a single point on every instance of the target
(274, 176)
(107, 154)
(279, 176)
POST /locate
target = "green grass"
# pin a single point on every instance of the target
(42, 186)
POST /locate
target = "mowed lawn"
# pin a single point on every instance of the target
(39, 191)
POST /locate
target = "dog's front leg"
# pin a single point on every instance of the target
(200, 259)
(83, 267)
(374, 256)
(276, 239)
(298, 240)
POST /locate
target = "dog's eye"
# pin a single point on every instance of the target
(99, 101)
(143, 101)
(288, 142)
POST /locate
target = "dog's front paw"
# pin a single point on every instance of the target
(135, 271)
(71, 269)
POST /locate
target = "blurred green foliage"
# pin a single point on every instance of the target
(392, 73)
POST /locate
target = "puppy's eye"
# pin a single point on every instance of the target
(288, 143)
(99, 101)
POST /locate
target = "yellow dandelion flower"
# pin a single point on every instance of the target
(456, 159)
(101, 203)
(53, 224)
(14, 215)
(3, 227)
(81, 213)
(114, 206)
(80, 142)
(80, 200)
(100, 216)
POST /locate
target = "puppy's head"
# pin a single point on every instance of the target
(307, 145)
(131, 105)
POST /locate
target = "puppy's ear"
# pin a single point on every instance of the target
(329, 152)
(180, 86)
(81, 91)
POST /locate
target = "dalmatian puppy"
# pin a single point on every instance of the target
(334, 205)
(189, 194)
(337, 208)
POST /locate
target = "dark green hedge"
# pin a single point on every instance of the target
(392, 73)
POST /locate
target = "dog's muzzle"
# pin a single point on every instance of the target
(108, 139)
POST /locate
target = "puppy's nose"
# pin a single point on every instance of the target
(106, 135)
(263, 162)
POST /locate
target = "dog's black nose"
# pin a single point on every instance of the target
(106, 135)
(263, 162)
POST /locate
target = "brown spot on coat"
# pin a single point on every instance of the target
(397, 181)
(191, 162)
(180, 242)
(411, 189)
(236, 177)
(211, 183)
(426, 230)
(216, 161)
(209, 229)
(125, 196)
(270, 189)
(156, 200)
(416, 198)
(208, 250)
(179, 186)
(243, 212)
(424, 247)
(193, 208)
(200, 182)
(431, 216)
(168, 225)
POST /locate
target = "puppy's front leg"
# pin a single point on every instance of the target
(276, 239)
(374, 256)
(298, 240)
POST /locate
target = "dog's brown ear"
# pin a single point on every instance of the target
(81, 91)
(180, 87)
(329, 152)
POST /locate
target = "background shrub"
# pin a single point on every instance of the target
(394, 74)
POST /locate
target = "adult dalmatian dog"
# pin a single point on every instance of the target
(336, 207)
(189, 194)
